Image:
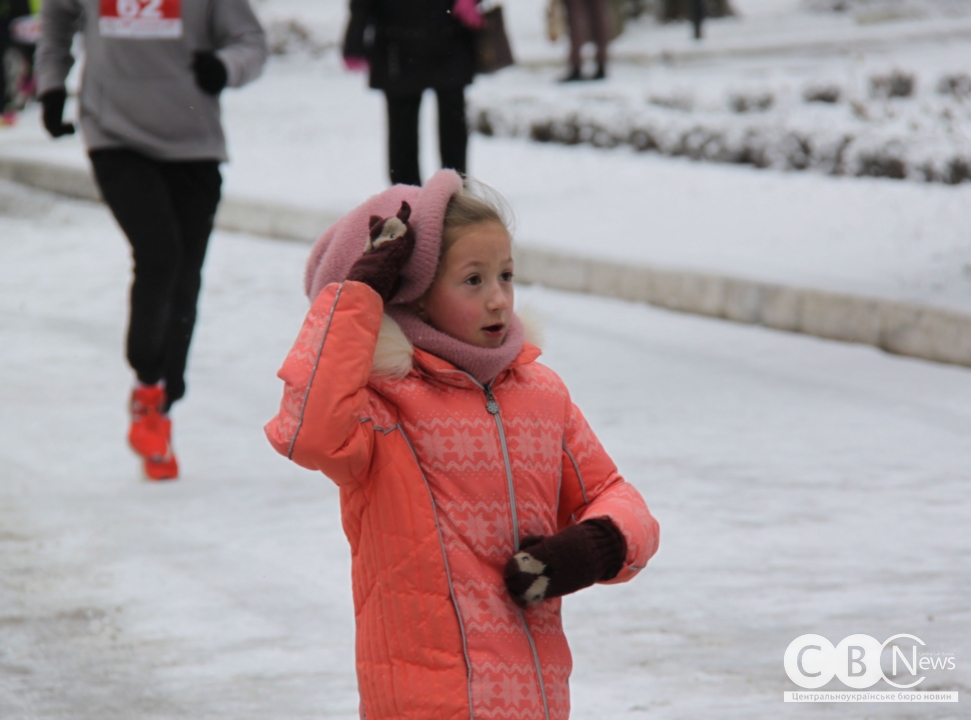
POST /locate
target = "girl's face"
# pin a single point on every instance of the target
(472, 297)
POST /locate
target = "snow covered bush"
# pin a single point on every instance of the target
(896, 83)
(676, 101)
(744, 102)
(822, 93)
(896, 135)
(956, 84)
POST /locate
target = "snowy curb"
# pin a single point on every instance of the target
(246, 215)
(61, 179)
(896, 327)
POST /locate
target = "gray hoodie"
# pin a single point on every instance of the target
(138, 90)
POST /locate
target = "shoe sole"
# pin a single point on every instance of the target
(166, 464)
(162, 477)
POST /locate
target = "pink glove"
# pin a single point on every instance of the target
(356, 64)
(467, 12)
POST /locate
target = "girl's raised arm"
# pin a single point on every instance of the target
(322, 423)
(325, 399)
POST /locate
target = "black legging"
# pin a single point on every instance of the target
(4, 44)
(453, 134)
(166, 209)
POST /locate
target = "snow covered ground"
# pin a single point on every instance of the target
(802, 486)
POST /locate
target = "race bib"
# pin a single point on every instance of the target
(141, 19)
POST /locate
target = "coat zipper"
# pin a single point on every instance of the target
(493, 408)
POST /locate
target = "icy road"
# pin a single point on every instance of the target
(802, 486)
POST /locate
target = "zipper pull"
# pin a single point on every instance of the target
(491, 405)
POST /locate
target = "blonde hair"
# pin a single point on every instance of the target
(477, 203)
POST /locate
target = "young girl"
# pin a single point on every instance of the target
(473, 492)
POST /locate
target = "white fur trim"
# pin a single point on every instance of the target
(393, 352)
(532, 327)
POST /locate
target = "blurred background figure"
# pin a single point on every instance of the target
(585, 21)
(25, 33)
(411, 47)
(697, 16)
(693, 10)
(588, 21)
(150, 115)
(18, 36)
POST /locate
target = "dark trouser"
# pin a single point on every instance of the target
(453, 134)
(697, 16)
(588, 21)
(4, 43)
(166, 209)
(29, 52)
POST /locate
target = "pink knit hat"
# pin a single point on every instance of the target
(343, 242)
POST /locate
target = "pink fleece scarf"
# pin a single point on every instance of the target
(484, 364)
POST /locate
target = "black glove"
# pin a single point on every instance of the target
(53, 101)
(574, 558)
(210, 72)
(390, 244)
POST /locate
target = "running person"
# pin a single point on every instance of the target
(150, 116)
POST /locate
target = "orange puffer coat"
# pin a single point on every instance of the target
(439, 479)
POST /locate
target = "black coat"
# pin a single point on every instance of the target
(412, 45)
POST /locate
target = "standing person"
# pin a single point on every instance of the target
(25, 31)
(473, 492)
(150, 115)
(697, 10)
(411, 47)
(587, 20)
(10, 10)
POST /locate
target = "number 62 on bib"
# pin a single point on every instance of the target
(141, 19)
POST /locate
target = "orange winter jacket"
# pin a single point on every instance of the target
(439, 478)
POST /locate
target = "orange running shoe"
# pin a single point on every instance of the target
(150, 430)
(162, 468)
(150, 434)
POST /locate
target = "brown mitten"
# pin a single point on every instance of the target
(574, 558)
(390, 244)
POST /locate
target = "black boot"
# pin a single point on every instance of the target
(601, 73)
(574, 76)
